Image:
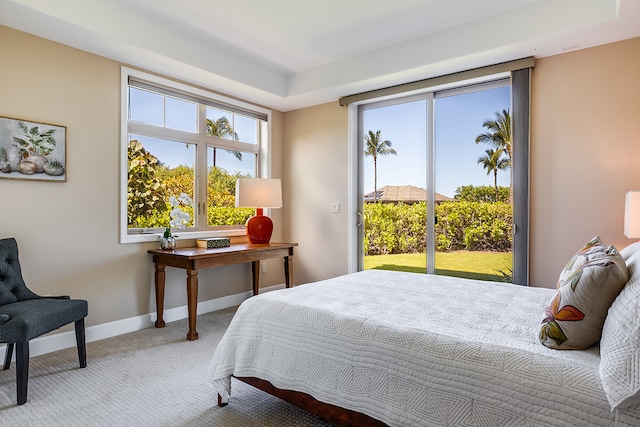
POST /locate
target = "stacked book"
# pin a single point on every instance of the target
(213, 242)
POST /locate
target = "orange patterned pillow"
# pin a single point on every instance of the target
(587, 287)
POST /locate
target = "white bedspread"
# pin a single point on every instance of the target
(413, 349)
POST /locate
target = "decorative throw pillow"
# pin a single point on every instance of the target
(587, 287)
(620, 344)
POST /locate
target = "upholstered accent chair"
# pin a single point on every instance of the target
(25, 315)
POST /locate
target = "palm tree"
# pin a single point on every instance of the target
(493, 161)
(375, 147)
(499, 135)
(221, 128)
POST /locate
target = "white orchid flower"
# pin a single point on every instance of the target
(179, 218)
(185, 199)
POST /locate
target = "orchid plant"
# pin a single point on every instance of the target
(179, 217)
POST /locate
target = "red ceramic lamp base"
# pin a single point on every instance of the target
(259, 228)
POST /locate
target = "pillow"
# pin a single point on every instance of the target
(620, 344)
(628, 251)
(587, 287)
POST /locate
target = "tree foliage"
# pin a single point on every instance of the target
(221, 128)
(498, 135)
(146, 192)
(498, 132)
(374, 147)
(493, 161)
(482, 193)
(221, 199)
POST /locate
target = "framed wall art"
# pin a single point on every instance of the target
(33, 151)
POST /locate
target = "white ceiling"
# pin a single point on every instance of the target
(289, 54)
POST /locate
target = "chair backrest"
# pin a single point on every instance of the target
(12, 286)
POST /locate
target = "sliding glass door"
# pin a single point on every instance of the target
(436, 175)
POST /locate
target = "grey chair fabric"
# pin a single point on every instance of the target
(25, 315)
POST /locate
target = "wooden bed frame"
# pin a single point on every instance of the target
(325, 411)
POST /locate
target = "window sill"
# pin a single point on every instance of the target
(180, 235)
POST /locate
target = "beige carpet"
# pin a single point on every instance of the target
(153, 377)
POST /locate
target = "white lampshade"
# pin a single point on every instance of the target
(632, 215)
(258, 193)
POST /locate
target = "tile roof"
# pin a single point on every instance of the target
(402, 193)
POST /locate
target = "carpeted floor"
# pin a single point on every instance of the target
(153, 377)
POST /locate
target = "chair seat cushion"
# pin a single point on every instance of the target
(31, 318)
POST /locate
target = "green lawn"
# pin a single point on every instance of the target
(469, 264)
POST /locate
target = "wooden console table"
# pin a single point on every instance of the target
(193, 259)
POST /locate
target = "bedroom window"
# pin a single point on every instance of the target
(183, 143)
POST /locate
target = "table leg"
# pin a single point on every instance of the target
(159, 281)
(288, 271)
(255, 276)
(192, 302)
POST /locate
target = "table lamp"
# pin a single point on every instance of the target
(632, 215)
(258, 193)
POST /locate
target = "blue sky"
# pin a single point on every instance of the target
(458, 121)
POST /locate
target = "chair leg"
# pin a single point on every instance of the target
(7, 356)
(22, 371)
(81, 343)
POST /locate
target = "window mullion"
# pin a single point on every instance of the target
(161, 132)
(201, 183)
(263, 167)
(228, 144)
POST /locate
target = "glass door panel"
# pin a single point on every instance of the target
(395, 178)
(472, 183)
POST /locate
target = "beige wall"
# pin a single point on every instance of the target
(316, 176)
(585, 146)
(68, 232)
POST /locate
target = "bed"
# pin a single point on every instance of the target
(404, 349)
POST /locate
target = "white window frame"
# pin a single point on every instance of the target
(264, 152)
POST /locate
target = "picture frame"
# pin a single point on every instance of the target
(32, 150)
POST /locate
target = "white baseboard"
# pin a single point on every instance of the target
(51, 343)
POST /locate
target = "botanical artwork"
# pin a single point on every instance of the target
(34, 151)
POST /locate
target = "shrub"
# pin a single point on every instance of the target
(393, 229)
(474, 226)
(401, 228)
(482, 193)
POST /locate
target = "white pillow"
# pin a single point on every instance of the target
(628, 251)
(620, 343)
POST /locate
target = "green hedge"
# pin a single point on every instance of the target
(401, 228)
